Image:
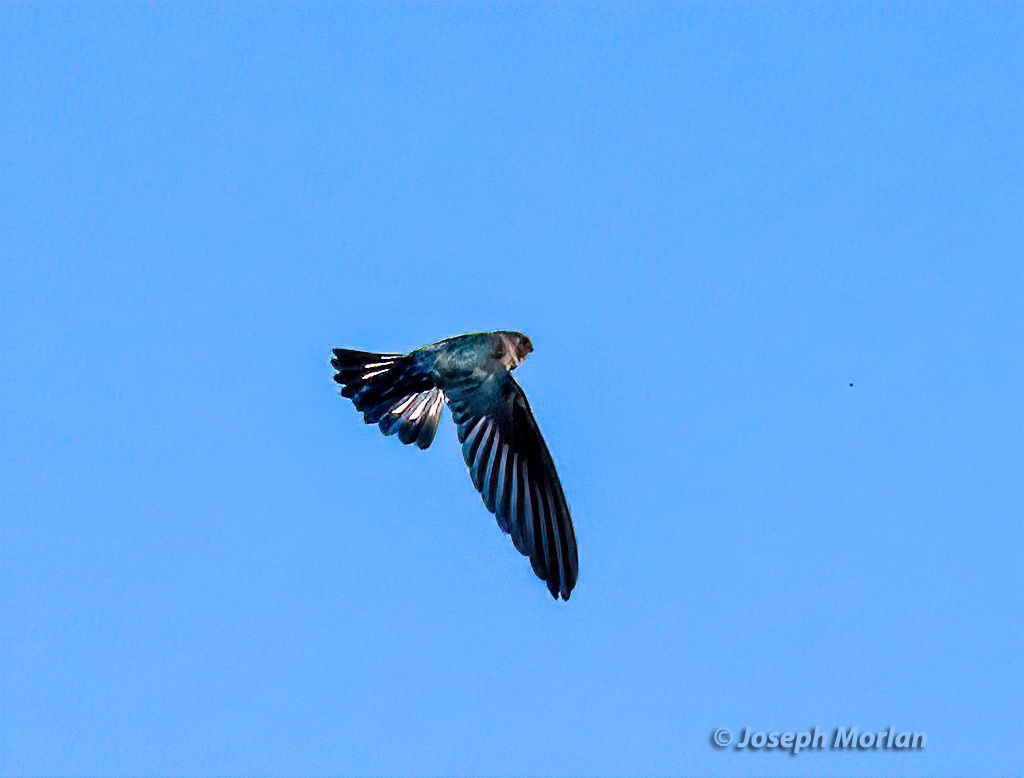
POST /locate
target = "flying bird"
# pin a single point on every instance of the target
(507, 457)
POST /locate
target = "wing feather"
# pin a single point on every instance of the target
(503, 473)
(512, 469)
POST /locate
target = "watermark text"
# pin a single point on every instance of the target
(841, 738)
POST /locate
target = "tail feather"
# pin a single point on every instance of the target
(392, 391)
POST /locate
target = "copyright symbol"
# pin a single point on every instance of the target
(722, 737)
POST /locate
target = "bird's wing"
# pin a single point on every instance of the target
(512, 469)
(392, 391)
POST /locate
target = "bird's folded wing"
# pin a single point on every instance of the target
(513, 471)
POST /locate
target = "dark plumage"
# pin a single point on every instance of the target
(508, 460)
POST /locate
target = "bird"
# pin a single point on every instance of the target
(508, 460)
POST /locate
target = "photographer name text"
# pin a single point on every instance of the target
(840, 738)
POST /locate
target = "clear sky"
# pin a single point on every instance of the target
(771, 260)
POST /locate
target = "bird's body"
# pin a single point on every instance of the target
(506, 455)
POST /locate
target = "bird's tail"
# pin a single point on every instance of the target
(392, 391)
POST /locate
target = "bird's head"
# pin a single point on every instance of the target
(518, 346)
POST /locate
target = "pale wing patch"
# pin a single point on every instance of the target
(422, 401)
(397, 410)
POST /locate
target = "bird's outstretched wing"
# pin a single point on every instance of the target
(392, 392)
(512, 469)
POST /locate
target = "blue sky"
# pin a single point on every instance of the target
(711, 220)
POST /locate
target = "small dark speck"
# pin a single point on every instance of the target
(851, 384)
